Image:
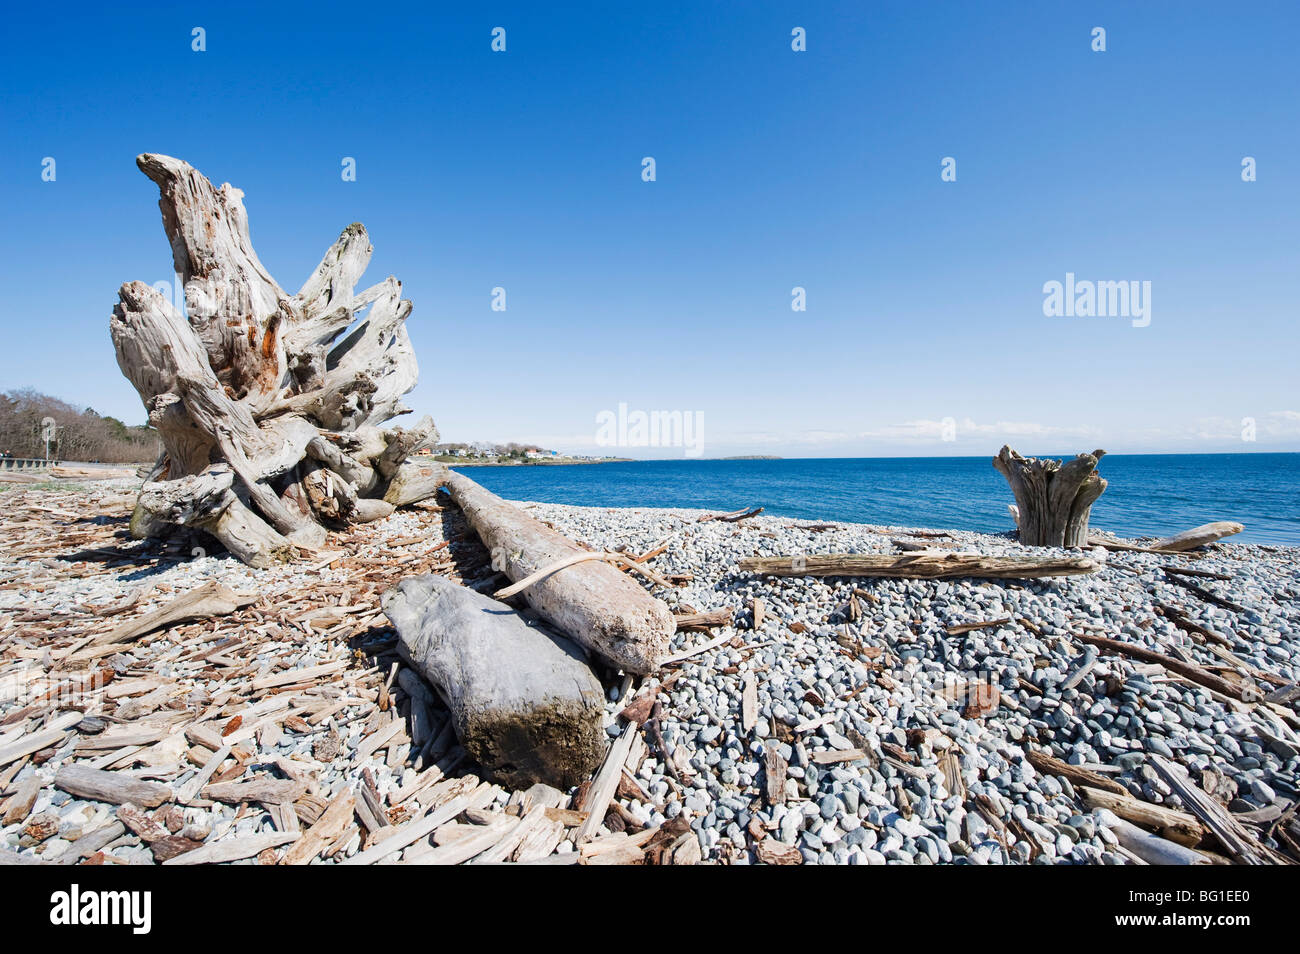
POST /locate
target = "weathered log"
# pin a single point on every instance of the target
(1153, 849)
(1168, 823)
(1052, 499)
(415, 481)
(369, 509)
(269, 406)
(523, 703)
(921, 566)
(1197, 536)
(1117, 547)
(592, 602)
(114, 787)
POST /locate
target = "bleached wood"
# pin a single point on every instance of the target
(202, 602)
(1169, 823)
(1244, 845)
(605, 784)
(591, 602)
(253, 391)
(1053, 499)
(523, 702)
(332, 823)
(1197, 536)
(925, 566)
(234, 849)
(112, 787)
(1153, 849)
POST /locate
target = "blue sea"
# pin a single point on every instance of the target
(1148, 495)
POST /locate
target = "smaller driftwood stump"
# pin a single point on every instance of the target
(1053, 498)
(523, 703)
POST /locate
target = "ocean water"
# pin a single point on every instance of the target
(1147, 494)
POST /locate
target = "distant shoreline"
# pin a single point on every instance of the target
(540, 462)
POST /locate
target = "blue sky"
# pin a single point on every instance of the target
(775, 169)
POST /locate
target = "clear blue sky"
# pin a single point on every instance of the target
(775, 169)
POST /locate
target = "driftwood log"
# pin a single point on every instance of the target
(1052, 499)
(920, 566)
(271, 407)
(1168, 823)
(1197, 536)
(591, 602)
(1153, 849)
(523, 703)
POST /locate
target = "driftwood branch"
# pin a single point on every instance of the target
(1190, 671)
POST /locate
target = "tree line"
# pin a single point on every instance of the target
(80, 433)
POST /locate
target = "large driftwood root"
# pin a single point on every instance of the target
(592, 602)
(523, 703)
(1053, 500)
(271, 407)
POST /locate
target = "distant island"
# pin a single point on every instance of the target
(483, 454)
(753, 457)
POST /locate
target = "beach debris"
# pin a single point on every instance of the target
(958, 629)
(810, 741)
(602, 787)
(1116, 546)
(1206, 595)
(523, 702)
(1197, 536)
(591, 602)
(1053, 500)
(1153, 849)
(694, 622)
(270, 411)
(1169, 823)
(1240, 843)
(921, 546)
(203, 602)
(982, 700)
(1076, 774)
(1198, 632)
(1195, 673)
(734, 517)
(928, 566)
(112, 787)
(772, 852)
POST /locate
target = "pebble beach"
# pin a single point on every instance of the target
(903, 712)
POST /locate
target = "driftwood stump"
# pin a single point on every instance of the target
(1053, 499)
(270, 406)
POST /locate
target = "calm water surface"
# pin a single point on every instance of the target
(1148, 494)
